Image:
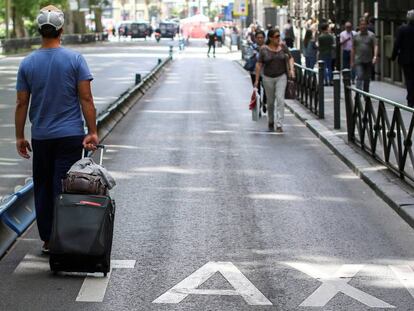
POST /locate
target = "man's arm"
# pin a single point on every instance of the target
(22, 105)
(374, 60)
(89, 112)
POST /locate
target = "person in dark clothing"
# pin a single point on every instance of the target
(289, 34)
(211, 36)
(404, 50)
(260, 41)
(326, 43)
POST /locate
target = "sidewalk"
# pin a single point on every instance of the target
(394, 191)
(397, 193)
(383, 89)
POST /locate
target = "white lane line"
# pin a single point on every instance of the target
(242, 286)
(332, 285)
(405, 275)
(94, 286)
(32, 264)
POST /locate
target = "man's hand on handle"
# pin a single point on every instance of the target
(90, 141)
(23, 146)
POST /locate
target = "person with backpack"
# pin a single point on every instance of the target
(57, 83)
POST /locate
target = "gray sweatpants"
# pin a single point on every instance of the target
(275, 91)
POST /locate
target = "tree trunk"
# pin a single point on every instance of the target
(79, 22)
(19, 25)
(98, 20)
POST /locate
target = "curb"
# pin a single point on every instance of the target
(398, 199)
(17, 210)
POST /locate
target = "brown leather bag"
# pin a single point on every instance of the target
(290, 92)
(81, 183)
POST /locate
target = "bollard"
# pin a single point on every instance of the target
(159, 61)
(337, 99)
(321, 99)
(346, 76)
(137, 78)
(171, 50)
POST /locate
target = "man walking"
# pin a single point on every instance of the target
(289, 34)
(211, 37)
(404, 49)
(363, 55)
(326, 45)
(56, 82)
(345, 39)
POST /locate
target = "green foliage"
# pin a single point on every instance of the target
(280, 2)
(154, 11)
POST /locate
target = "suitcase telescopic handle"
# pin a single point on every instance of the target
(98, 146)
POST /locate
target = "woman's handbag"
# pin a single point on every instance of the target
(250, 64)
(290, 92)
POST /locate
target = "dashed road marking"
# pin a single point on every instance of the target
(406, 276)
(242, 286)
(332, 285)
(94, 286)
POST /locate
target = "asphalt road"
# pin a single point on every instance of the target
(202, 188)
(113, 65)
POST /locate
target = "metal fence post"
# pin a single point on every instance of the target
(321, 99)
(346, 75)
(337, 99)
(137, 78)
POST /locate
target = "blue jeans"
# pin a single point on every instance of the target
(346, 62)
(328, 69)
(310, 61)
(363, 75)
(52, 158)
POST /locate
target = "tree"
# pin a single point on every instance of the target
(22, 10)
(280, 2)
(154, 11)
(97, 6)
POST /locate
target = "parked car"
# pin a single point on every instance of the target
(168, 29)
(124, 29)
(139, 29)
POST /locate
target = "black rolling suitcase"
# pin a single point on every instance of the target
(82, 231)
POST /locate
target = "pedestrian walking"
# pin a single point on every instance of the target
(364, 55)
(273, 58)
(310, 50)
(260, 41)
(56, 82)
(404, 50)
(220, 35)
(211, 37)
(345, 39)
(289, 34)
(326, 46)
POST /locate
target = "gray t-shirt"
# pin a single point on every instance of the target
(274, 63)
(364, 44)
